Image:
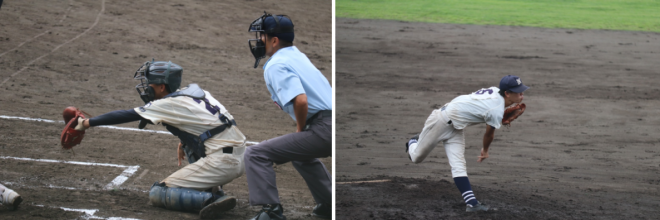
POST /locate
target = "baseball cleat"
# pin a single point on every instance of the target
(219, 206)
(9, 197)
(410, 142)
(270, 212)
(323, 210)
(477, 208)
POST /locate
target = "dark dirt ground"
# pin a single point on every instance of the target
(586, 148)
(55, 54)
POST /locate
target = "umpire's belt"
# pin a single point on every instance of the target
(324, 113)
(320, 114)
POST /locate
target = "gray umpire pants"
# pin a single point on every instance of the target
(302, 149)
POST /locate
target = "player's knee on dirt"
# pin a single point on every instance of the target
(181, 199)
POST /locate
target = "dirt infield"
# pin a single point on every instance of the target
(83, 53)
(586, 148)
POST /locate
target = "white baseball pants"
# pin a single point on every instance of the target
(213, 170)
(437, 129)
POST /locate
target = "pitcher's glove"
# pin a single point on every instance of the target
(74, 131)
(511, 113)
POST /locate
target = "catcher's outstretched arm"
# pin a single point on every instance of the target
(115, 117)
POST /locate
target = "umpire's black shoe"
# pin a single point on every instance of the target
(410, 142)
(323, 210)
(272, 211)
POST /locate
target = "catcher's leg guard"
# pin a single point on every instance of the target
(190, 200)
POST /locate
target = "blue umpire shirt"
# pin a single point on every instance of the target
(289, 73)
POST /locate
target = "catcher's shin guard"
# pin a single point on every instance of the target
(180, 199)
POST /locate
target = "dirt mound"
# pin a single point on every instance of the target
(586, 145)
(407, 198)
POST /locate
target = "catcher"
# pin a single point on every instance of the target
(447, 123)
(208, 135)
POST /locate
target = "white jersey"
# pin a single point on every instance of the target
(194, 117)
(483, 106)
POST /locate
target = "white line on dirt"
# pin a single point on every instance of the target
(29, 119)
(61, 187)
(128, 172)
(69, 162)
(13, 184)
(32, 186)
(39, 35)
(103, 126)
(98, 17)
(144, 172)
(89, 213)
(21, 44)
(122, 177)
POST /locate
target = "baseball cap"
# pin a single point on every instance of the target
(285, 30)
(512, 83)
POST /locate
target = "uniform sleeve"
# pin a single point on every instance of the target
(163, 110)
(286, 84)
(494, 118)
(115, 117)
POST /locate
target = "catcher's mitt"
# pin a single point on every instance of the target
(511, 113)
(70, 136)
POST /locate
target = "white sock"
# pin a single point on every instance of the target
(412, 148)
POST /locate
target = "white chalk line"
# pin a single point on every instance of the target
(29, 119)
(89, 213)
(39, 35)
(122, 177)
(69, 162)
(128, 171)
(103, 126)
(51, 186)
(98, 17)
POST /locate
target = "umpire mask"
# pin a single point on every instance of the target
(260, 26)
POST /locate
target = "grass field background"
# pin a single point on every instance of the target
(637, 15)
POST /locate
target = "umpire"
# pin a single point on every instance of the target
(300, 90)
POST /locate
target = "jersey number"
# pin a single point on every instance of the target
(212, 109)
(483, 91)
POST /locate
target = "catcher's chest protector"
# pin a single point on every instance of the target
(194, 145)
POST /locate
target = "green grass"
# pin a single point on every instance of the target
(637, 15)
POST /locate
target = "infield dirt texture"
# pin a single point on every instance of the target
(586, 147)
(83, 53)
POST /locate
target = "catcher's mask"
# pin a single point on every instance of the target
(261, 26)
(157, 72)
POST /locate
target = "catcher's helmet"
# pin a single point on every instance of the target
(157, 72)
(279, 26)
